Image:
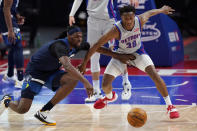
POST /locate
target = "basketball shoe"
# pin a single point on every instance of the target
(93, 98)
(4, 103)
(126, 93)
(101, 103)
(44, 117)
(7, 79)
(173, 112)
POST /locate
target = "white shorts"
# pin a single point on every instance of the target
(96, 29)
(116, 68)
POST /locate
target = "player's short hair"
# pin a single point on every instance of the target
(127, 9)
(69, 30)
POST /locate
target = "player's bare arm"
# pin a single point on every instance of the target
(8, 19)
(145, 16)
(65, 61)
(122, 57)
(112, 34)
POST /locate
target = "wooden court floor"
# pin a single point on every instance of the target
(112, 118)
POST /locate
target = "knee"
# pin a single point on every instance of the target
(23, 110)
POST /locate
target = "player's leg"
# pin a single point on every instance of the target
(9, 77)
(114, 69)
(29, 90)
(19, 60)
(64, 84)
(144, 63)
(94, 33)
(126, 93)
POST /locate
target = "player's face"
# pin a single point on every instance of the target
(128, 20)
(76, 39)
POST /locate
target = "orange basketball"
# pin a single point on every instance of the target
(137, 117)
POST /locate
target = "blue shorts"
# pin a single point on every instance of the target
(31, 88)
(18, 40)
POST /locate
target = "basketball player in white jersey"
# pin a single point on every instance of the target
(128, 32)
(100, 20)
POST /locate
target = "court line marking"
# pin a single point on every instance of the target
(150, 87)
(4, 65)
(177, 95)
(150, 97)
(181, 100)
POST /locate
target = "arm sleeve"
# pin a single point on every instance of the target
(75, 7)
(59, 49)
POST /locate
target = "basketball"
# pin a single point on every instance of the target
(137, 117)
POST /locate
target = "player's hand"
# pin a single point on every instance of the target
(124, 58)
(11, 37)
(134, 3)
(71, 20)
(81, 68)
(167, 10)
(20, 20)
(89, 89)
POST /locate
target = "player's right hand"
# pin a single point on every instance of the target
(11, 37)
(89, 89)
(167, 10)
(124, 58)
(71, 20)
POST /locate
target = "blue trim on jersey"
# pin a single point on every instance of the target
(141, 50)
(111, 11)
(119, 31)
(86, 3)
(139, 22)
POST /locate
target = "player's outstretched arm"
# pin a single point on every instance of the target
(65, 61)
(74, 9)
(113, 33)
(145, 16)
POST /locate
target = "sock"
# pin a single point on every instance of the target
(167, 100)
(125, 78)
(109, 96)
(47, 107)
(20, 75)
(96, 86)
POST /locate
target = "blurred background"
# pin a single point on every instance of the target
(45, 19)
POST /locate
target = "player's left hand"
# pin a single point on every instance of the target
(124, 58)
(89, 89)
(167, 10)
(20, 20)
(81, 68)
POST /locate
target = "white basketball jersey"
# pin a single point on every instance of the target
(99, 8)
(130, 41)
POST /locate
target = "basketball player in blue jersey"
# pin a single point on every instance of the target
(44, 70)
(100, 20)
(128, 32)
(9, 21)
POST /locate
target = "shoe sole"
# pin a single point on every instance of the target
(114, 99)
(126, 98)
(44, 122)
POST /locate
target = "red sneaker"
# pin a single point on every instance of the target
(172, 111)
(101, 103)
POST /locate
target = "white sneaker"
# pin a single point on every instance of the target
(44, 117)
(18, 84)
(126, 93)
(7, 79)
(93, 98)
(3, 103)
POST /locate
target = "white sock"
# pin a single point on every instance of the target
(167, 100)
(109, 96)
(96, 86)
(125, 78)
